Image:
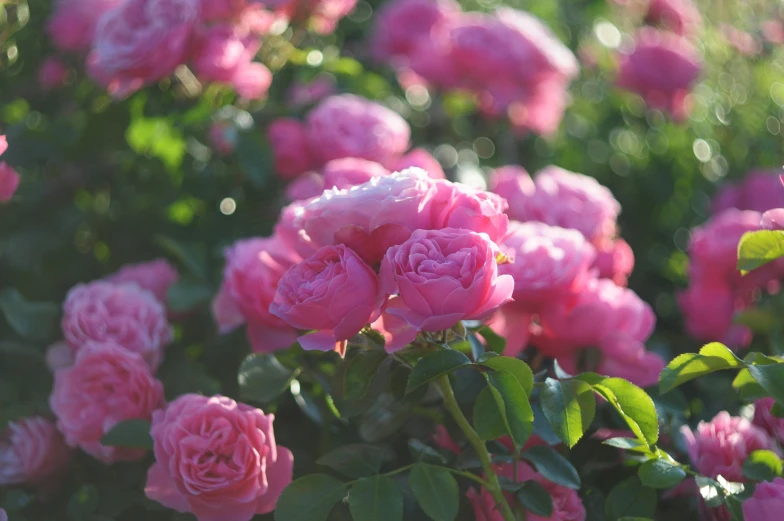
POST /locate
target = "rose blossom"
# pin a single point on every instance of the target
(661, 68)
(513, 183)
(708, 310)
(305, 187)
(9, 182)
(106, 385)
(773, 219)
(350, 171)
(767, 502)
(52, 74)
(290, 147)
(217, 459)
(764, 418)
(223, 53)
(140, 42)
(401, 25)
(714, 245)
(252, 81)
(334, 292)
(457, 205)
(304, 93)
(250, 278)
(156, 276)
(31, 452)
(420, 158)
(350, 126)
(681, 16)
(72, 24)
(443, 277)
(626, 357)
(614, 260)
(122, 313)
(719, 447)
(760, 190)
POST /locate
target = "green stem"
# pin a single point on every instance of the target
(492, 485)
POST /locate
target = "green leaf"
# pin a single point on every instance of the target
(354, 460)
(517, 367)
(133, 433)
(569, 406)
(32, 320)
(311, 497)
(187, 294)
(490, 416)
(630, 499)
(190, 254)
(712, 357)
(660, 473)
(495, 342)
(771, 378)
(632, 444)
(436, 491)
(747, 386)
(375, 499)
(83, 503)
(424, 452)
(553, 466)
(756, 319)
(262, 378)
(360, 372)
(519, 415)
(158, 138)
(634, 405)
(735, 507)
(762, 465)
(442, 362)
(758, 248)
(536, 499)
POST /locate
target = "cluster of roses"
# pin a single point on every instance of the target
(132, 43)
(214, 457)
(717, 291)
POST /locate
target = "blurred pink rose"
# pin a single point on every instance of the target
(52, 74)
(32, 452)
(252, 81)
(9, 182)
(767, 502)
(59, 355)
(222, 52)
(444, 440)
(305, 187)
(122, 313)
(401, 25)
(223, 137)
(351, 126)
(626, 357)
(250, 277)
(420, 158)
(763, 418)
(513, 183)
(72, 23)
(708, 309)
(614, 260)
(714, 245)
(139, 42)
(156, 276)
(760, 190)
(773, 219)
(222, 10)
(334, 292)
(305, 93)
(719, 447)
(106, 385)
(680, 16)
(350, 171)
(217, 459)
(662, 68)
(290, 147)
(457, 205)
(443, 277)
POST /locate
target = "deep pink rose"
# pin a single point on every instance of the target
(550, 264)
(305, 187)
(107, 384)
(763, 418)
(708, 309)
(767, 502)
(420, 158)
(222, 10)
(760, 190)
(567, 505)
(457, 205)
(121, 313)
(32, 452)
(350, 126)
(662, 68)
(719, 447)
(72, 24)
(217, 459)
(9, 182)
(52, 74)
(680, 16)
(728, 196)
(290, 147)
(139, 42)
(401, 25)
(251, 275)
(614, 260)
(156, 276)
(350, 171)
(333, 292)
(59, 355)
(222, 51)
(714, 245)
(443, 277)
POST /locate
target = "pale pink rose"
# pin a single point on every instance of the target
(773, 31)
(305, 187)
(550, 264)
(513, 183)
(627, 358)
(763, 418)
(767, 502)
(32, 452)
(121, 313)
(614, 260)
(252, 81)
(156, 276)
(773, 219)
(512, 322)
(305, 93)
(714, 245)
(745, 43)
(350, 126)
(9, 182)
(139, 42)
(457, 205)
(350, 171)
(333, 292)
(420, 158)
(223, 137)
(680, 16)
(59, 355)
(251, 275)
(221, 51)
(443, 277)
(3, 144)
(217, 459)
(106, 385)
(719, 447)
(662, 68)
(72, 24)
(52, 74)
(567, 505)
(290, 147)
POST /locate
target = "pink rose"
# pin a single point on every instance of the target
(773, 219)
(420, 158)
(443, 277)
(334, 292)
(106, 385)
(52, 74)
(513, 183)
(714, 245)
(59, 355)
(457, 205)
(763, 418)
(217, 459)
(403, 24)
(767, 502)
(222, 51)
(680, 16)
(32, 452)
(251, 275)
(72, 24)
(614, 260)
(252, 81)
(139, 42)
(626, 357)
(305, 93)
(9, 182)
(350, 126)
(290, 147)
(728, 196)
(222, 10)
(305, 187)
(350, 171)
(156, 276)
(762, 190)
(567, 505)
(550, 264)
(124, 314)
(708, 309)
(719, 447)
(661, 68)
